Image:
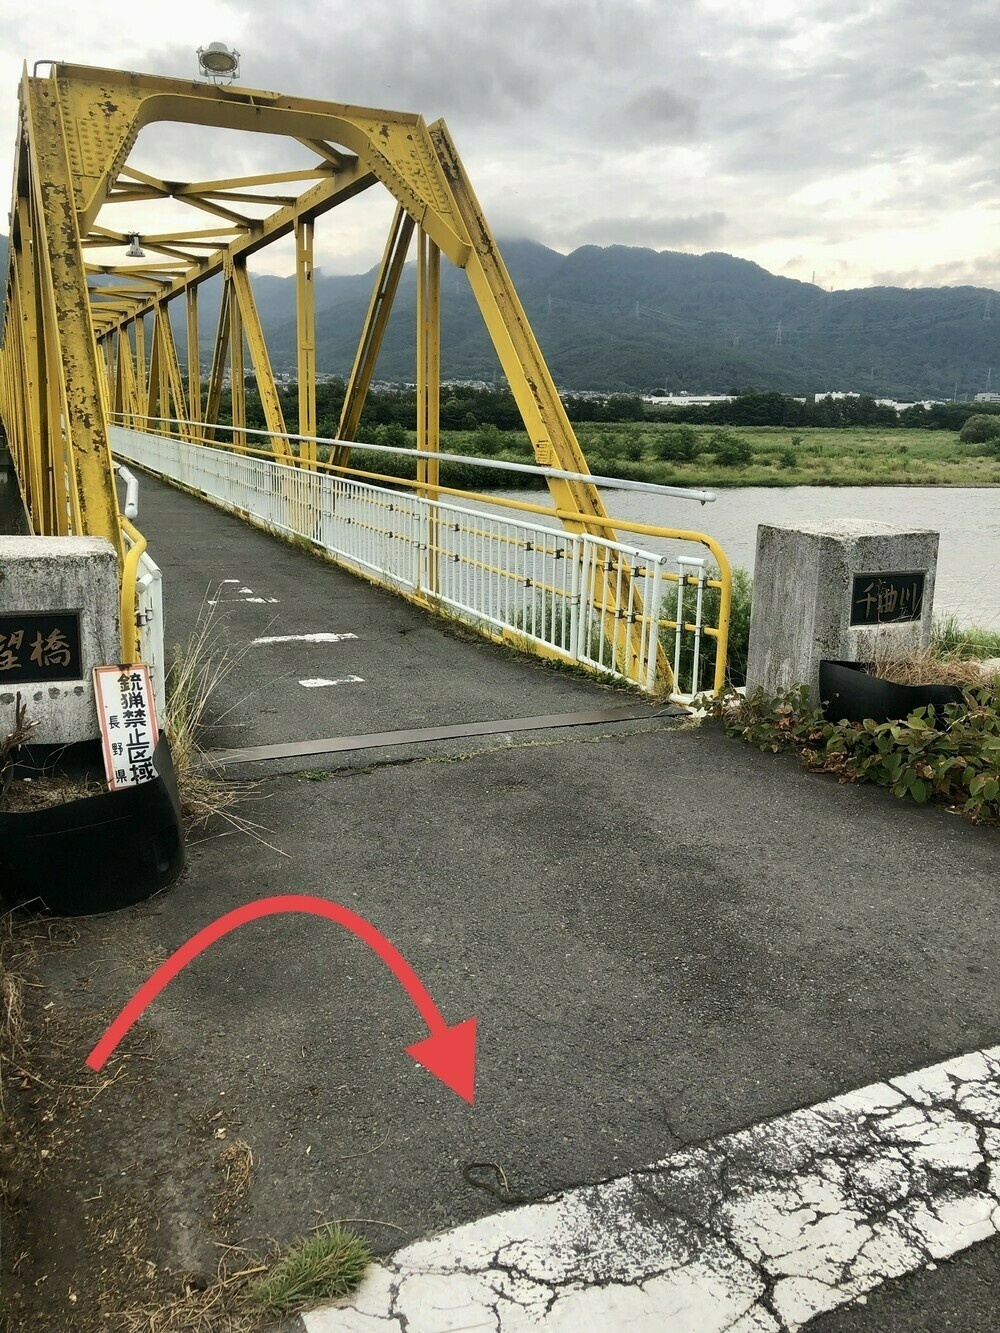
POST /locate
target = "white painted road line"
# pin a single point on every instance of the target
(303, 638)
(243, 594)
(319, 682)
(756, 1232)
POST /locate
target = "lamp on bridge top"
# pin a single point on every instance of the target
(135, 250)
(216, 61)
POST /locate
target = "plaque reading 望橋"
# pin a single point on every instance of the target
(887, 599)
(39, 646)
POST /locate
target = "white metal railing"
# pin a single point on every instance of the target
(577, 597)
(185, 427)
(149, 616)
(148, 600)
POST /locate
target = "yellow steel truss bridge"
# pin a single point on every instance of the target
(90, 368)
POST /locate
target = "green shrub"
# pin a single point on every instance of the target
(980, 429)
(679, 444)
(787, 457)
(487, 440)
(730, 449)
(950, 755)
(392, 433)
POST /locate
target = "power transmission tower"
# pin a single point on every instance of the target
(777, 336)
(987, 312)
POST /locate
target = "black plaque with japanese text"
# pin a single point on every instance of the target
(887, 599)
(39, 646)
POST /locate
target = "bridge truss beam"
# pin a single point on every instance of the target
(86, 332)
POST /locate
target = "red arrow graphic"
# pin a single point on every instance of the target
(449, 1052)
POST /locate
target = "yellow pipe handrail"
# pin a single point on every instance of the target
(130, 570)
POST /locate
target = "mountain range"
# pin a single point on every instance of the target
(620, 318)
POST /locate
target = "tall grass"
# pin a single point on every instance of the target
(197, 671)
(964, 641)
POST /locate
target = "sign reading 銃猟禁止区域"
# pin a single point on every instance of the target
(39, 646)
(128, 723)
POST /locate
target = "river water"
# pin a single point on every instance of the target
(968, 519)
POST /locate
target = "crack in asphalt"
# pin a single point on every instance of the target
(756, 1232)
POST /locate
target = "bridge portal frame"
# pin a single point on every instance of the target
(83, 339)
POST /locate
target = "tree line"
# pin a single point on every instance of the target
(469, 407)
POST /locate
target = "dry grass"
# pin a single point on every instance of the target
(218, 1308)
(198, 670)
(23, 794)
(328, 1265)
(11, 744)
(12, 984)
(235, 1166)
(929, 666)
(21, 734)
(41, 793)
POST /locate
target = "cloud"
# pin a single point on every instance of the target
(979, 273)
(660, 233)
(660, 114)
(859, 137)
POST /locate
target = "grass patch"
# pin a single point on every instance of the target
(965, 641)
(327, 1266)
(767, 456)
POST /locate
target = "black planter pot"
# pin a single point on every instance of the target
(98, 853)
(849, 693)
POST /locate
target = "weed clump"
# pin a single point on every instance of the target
(950, 755)
(328, 1265)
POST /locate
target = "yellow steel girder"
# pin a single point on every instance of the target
(79, 127)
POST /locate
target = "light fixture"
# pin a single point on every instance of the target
(135, 250)
(216, 61)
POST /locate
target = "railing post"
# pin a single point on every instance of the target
(652, 600)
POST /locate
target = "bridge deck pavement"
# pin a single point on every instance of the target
(664, 935)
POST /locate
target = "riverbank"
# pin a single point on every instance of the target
(720, 457)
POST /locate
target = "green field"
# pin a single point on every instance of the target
(722, 456)
(784, 456)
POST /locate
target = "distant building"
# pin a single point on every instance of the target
(990, 396)
(687, 399)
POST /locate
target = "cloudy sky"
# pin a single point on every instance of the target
(853, 140)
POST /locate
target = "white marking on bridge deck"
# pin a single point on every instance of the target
(302, 638)
(755, 1232)
(243, 594)
(318, 682)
